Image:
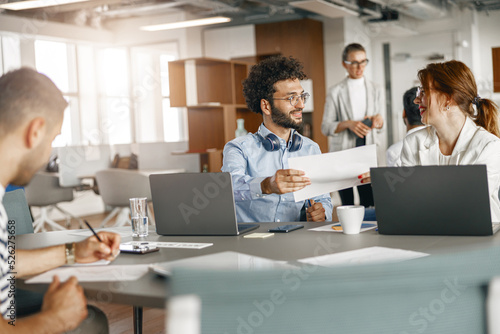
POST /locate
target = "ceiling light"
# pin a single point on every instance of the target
(187, 24)
(31, 4)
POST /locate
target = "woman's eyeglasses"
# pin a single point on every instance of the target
(357, 63)
(420, 92)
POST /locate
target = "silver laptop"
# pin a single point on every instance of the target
(195, 204)
(432, 200)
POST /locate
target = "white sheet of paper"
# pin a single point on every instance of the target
(190, 245)
(333, 171)
(96, 263)
(93, 273)
(124, 232)
(228, 260)
(364, 256)
(328, 228)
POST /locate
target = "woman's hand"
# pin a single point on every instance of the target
(365, 178)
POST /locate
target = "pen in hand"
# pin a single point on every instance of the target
(90, 227)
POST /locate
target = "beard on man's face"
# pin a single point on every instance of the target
(285, 120)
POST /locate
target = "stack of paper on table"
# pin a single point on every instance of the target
(367, 255)
(221, 261)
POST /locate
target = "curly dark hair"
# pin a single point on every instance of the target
(260, 82)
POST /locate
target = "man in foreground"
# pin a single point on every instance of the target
(31, 116)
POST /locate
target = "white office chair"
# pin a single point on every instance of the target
(44, 192)
(116, 187)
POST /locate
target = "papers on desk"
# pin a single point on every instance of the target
(124, 232)
(220, 261)
(333, 171)
(368, 255)
(189, 245)
(336, 227)
(96, 263)
(93, 273)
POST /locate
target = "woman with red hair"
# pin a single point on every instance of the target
(463, 127)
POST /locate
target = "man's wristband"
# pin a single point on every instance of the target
(70, 253)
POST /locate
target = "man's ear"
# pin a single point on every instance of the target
(35, 132)
(265, 106)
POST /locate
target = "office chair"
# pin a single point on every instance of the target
(116, 187)
(16, 206)
(17, 209)
(434, 294)
(44, 191)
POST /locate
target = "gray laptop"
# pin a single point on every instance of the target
(195, 204)
(432, 200)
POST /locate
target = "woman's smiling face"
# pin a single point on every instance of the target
(429, 105)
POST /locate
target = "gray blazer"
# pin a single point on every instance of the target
(338, 109)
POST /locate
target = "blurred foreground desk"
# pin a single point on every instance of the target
(152, 290)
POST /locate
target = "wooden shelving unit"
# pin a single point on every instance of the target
(496, 69)
(212, 92)
(302, 39)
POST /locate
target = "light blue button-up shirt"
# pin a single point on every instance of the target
(249, 164)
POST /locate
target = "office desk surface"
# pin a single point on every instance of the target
(151, 290)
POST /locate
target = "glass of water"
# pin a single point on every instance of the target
(139, 216)
(139, 226)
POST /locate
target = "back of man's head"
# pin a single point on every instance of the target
(260, 82)
(353, 47)
(25, 93)
(412, 112)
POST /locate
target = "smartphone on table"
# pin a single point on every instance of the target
(138, 249)
(285, 228)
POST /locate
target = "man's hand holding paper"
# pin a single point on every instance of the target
(334, 171)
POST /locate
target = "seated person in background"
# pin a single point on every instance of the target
(463, 126)
(31, 116)
(411, 117)
(258, 162)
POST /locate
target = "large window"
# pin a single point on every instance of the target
(174, 119)
(10, 55)
(155, 120)
(114, 92)
(57, 61)
(115, 95)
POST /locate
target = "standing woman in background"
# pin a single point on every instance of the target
(464, 126)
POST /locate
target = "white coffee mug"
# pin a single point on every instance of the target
(351, 218)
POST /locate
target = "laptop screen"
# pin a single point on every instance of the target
(432, 200)
(193, 204)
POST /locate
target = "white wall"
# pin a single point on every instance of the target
(230, 42)
(404, 73)
(445, 36)
(489, 37)
(333, 44)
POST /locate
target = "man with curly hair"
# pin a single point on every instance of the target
(258, 162)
